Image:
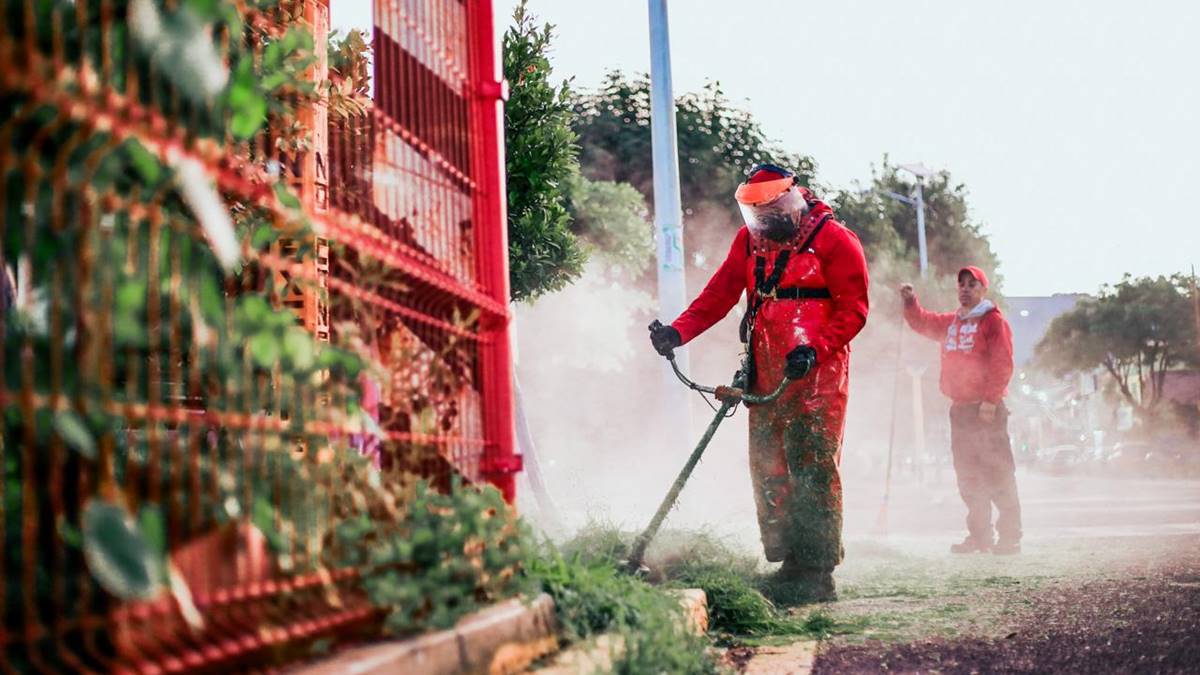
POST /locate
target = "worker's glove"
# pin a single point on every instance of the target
(799, 361)
(664, 338)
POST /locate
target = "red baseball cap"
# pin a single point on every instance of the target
(975, 272)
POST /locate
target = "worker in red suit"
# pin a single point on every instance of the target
(805, 279)
(977, 362)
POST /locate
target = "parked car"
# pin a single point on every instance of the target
(1128, 457)
(1060, 459)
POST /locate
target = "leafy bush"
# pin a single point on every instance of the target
(430, 558)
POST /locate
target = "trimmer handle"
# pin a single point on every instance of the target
(656, 326)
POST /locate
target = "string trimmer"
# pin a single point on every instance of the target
(729, 396)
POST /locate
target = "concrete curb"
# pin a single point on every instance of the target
(695, 609)
(794, 659)
(499, 640)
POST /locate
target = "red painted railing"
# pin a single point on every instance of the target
(420, 175)
(406, 199)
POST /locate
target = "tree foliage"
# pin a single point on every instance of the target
(888, 227)
(349, 83)
(717, 142)
(1136, 331)
(612, 218)
(541, 161)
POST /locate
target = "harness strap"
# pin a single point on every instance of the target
(765, 287)
(809, 240)
(798, 293)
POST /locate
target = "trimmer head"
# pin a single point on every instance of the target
(636, 568)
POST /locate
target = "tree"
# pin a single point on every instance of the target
(717, 142)
(888, 227)
(612, 218)
(1136, 331)
(541, 161)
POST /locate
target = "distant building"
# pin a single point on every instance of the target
(1182, 386)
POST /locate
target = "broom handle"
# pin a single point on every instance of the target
(887, 481)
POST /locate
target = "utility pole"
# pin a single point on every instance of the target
(922, 250)
(917, 370)
(1196, 309)
(668, 214)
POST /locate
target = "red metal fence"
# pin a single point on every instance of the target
(139, 411)
(420, 175)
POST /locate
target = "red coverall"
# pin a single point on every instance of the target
(795, 443)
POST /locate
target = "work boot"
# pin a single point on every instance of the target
(775, 546)
(821, 586)
(797, 584)
(790, 570)
(971, 545)
(1003, 547)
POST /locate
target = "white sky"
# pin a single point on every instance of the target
(1074, 124)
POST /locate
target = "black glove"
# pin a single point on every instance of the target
(799, 361)
(664, 338)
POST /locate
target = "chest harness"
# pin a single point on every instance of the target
(767, 287)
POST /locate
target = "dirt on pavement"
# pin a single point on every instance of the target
(1129, 606)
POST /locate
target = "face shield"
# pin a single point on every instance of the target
(772, 209)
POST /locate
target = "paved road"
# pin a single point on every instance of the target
(718, 501)
(1053, 507)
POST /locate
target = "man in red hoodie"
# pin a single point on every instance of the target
(977, 362)
(805, 280)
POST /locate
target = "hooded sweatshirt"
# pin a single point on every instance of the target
(977, 351)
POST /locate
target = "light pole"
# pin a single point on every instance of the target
(668, 212)
(921, 172)
(916, 370)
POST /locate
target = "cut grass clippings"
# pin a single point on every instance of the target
(733, 582)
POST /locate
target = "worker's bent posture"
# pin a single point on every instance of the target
(977, 362)
(805, 279)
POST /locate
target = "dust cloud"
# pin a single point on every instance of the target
(593, 391)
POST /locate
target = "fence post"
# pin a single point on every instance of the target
(308, 300)
(500, 461)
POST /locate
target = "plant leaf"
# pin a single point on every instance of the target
(75, 433)
(264, 347)
(286, 197)
(117, 554)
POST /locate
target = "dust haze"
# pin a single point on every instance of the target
(593, 391)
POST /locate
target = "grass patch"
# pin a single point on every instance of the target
(886, 594)
(593, 597)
